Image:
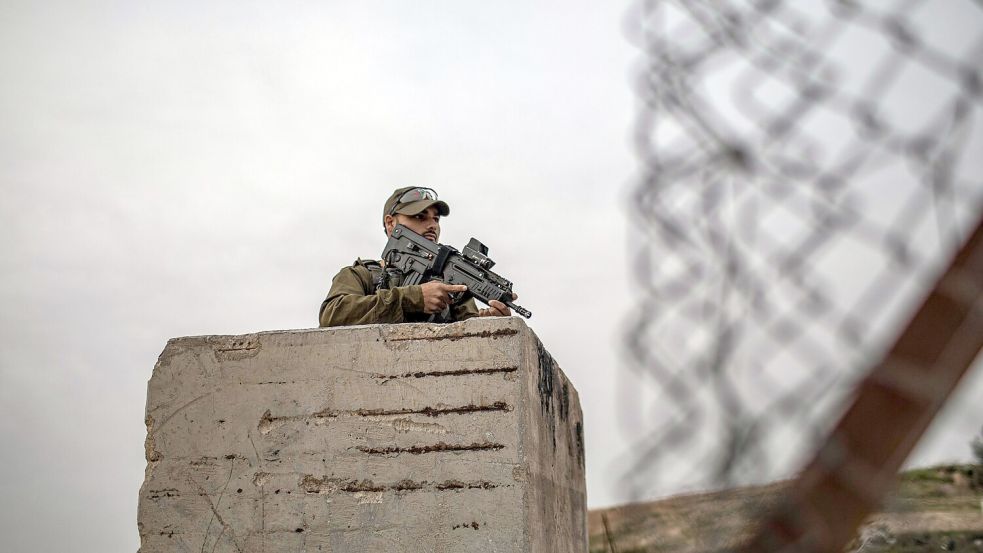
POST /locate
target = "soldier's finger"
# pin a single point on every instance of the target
(455, 288)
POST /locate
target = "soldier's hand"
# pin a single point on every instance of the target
(497, 309)
(437, 295)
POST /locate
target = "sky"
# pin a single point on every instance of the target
(179, 168)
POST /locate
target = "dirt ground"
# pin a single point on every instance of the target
(939, 508)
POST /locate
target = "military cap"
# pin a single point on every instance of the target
(411, 200)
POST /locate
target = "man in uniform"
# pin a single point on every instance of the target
(358, 294)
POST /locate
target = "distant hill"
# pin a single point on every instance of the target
(934, 509)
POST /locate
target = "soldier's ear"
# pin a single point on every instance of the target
(389, 222)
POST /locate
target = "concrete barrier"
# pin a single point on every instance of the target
(417, 437)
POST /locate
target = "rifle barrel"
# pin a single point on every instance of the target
(519, 309)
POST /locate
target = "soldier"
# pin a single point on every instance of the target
(357, 295)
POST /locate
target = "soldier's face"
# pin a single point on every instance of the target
(426, 224)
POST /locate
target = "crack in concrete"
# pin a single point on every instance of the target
(179, 409)
(456, 337)
(163, 492)
(435, 448)
(202, 492)
(458, 485)
(238, 350)
(460, 372)
(433, 411)
(327, 485)
(268, 422)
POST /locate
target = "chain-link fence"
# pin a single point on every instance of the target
(808, 170)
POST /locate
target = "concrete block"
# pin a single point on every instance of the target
(464, 437)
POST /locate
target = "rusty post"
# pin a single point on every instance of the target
(857, 466)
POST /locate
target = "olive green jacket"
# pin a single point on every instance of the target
(353, 300)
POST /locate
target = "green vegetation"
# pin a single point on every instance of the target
(950, 488)
(942, 480)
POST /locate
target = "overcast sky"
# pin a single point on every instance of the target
(173, 169)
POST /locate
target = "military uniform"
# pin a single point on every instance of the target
(362, 294)
(354, 300)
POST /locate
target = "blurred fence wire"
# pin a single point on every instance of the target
(807, 170)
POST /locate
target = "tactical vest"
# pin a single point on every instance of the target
(384, 279)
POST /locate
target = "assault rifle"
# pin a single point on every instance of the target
(418, 260)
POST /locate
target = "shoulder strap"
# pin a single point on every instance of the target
(367, 271)
(369, 264)
(380, 278)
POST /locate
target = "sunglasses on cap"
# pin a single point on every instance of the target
(414, 195)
